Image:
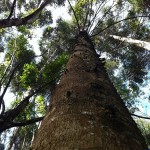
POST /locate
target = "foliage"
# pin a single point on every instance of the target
(29, 75)
(55, 68)
(20, 49)
(27, 72)
(40, 106)
(145, 129)
(45, 18)
(140, 5)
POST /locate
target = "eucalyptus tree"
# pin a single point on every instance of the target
(86, 112)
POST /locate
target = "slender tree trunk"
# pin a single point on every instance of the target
(13, 138)
(86, 111)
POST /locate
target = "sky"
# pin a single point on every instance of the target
(58, 12)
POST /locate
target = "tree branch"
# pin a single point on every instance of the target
(74, 15)
(101, 5)
(27, 122)
(23, 21)
(12, 9)
(3, 107)
(102, 18)
(8, 83)
(140, 116)
(3, 78)
(129, 18)
(12, 114)
(87, 14)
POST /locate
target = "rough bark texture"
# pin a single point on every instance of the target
(86, 112)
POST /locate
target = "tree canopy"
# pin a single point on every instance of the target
(32, 77)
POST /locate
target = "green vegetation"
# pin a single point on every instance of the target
(32, 78)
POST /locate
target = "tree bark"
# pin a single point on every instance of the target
(86, 112)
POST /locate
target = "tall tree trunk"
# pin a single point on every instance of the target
(86, 111)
